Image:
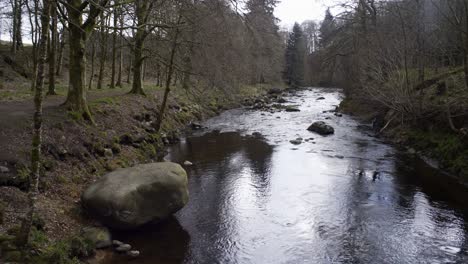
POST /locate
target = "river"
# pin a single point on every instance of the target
(345, 198)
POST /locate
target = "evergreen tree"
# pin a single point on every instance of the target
(327, 29)
(295, 55)
(265, 43)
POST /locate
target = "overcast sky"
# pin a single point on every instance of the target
(290, 11)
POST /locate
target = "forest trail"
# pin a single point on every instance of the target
(13, 113)
(16, 116)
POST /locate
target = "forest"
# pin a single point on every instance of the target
(93, 88)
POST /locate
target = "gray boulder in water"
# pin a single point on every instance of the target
(131, 197)
(321, 128)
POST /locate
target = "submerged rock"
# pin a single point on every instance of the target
(131, 197)
(321, 98)
(321, 128)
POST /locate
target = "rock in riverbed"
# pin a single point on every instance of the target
(321, 128)
(296, 141)
(131, 197)
(292, 109)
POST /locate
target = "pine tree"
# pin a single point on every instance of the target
(265, 42)
(327, 29)
(295, 55)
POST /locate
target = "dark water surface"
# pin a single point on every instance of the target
(346, 198)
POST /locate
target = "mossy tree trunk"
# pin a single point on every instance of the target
(61, 47)
(103, 52)
(23, 236)
(114, 48)
(137, 86)
(142, 12)
(78, 35)
(121, 23)
(93, 55)
(52, 50)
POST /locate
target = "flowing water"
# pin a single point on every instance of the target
(345, 198)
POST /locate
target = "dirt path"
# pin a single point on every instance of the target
(16, 117)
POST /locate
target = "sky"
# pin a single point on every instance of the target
(290, 11)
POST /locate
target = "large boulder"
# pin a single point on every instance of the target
(321, 128)
(131, 197)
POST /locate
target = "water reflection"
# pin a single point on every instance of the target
(348, 198)
(167, 242)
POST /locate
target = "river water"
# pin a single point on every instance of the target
(345, 198)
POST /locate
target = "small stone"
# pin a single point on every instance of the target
(292, 109)
(339, 156)
(133, 253)
(123, 248)
(411, 151)
(108, 153)
(257, 134)
(117, 243)
(4, 169)
(296, 142)
(188, 163)
(321, 98)
(196, 126)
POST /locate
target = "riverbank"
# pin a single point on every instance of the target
(76, 153)
(430, 139)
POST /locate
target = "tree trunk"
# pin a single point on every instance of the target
(141, 9)
(60, 53)
(114, 49)
(76, 99)
(16, 42)
(137, 87)
(14, 27)
(23, 236)
(103, 53)
(119, 76)
(53, 49)
(93, 55)
(129, 70)
(170, 72)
